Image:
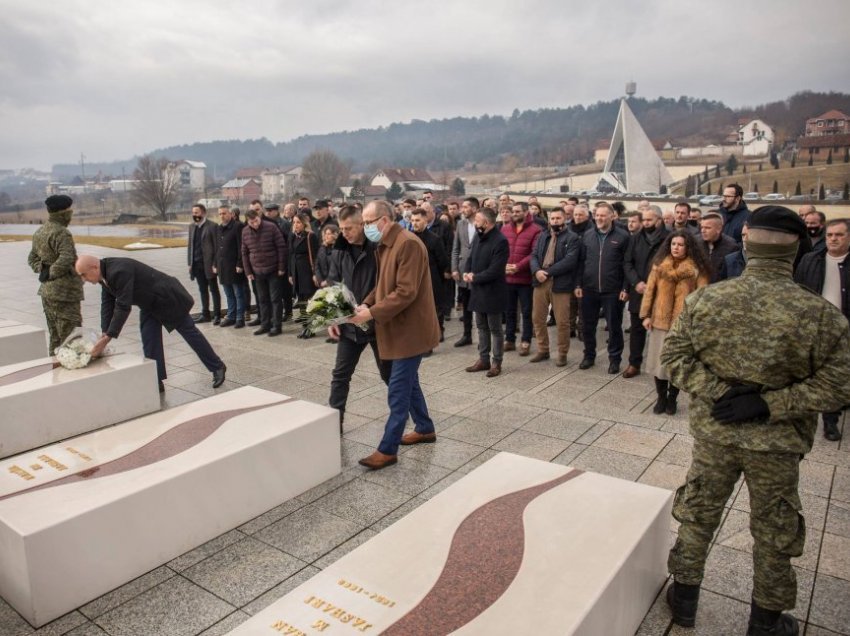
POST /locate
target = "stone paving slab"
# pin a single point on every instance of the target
(587, 419)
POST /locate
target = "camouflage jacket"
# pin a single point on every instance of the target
(761, 329)
(53, 245)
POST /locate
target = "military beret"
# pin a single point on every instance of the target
(272, 206)
(778, 219)
(58, 202)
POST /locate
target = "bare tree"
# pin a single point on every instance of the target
(157, 184)
(323, 172)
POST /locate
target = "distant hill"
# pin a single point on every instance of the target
(550, 136)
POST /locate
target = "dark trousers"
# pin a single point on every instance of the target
(286, 294)
(521, 294)
(269, 299)
(235, 294)
(612, 307)
(405, 397)
(207, 286)
(637, 339)
(448, 300)
(151, 329)
(491, 339)
(463, 299)
(348, 353)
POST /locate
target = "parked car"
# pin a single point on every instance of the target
(802, 197)
(751, 196)
(774, 196)
(835, 196)
(696, 197)
(711, 199)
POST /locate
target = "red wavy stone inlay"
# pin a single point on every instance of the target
(26, 374)
(483, 560)
(175, 440)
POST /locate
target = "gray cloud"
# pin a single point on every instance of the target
(116, 79)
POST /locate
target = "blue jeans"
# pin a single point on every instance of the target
(405, 397)
(235, 301)
(522, 294)
(612, 307)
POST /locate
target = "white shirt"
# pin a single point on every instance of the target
(832, 280)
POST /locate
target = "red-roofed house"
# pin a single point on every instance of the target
(242, 190)
(832, 122)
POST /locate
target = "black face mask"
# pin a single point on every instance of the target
(480, 231)
(814, 232)
(556, 228)
(197, 219)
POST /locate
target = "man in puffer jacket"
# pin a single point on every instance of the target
(522, 233)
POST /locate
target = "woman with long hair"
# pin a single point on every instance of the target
(679, 267)
(303, 248)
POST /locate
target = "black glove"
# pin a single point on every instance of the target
(740, 408)
(44, 276)
(739, 389)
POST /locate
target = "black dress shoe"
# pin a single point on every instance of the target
(256, 322)
(161, 387)
(464, 341)
(217, 321)
(274, 331)
(227, 322)
(261, 331)
(614, 368)
(586, 363)
(201, 319)
(239, 324)
(218, 376)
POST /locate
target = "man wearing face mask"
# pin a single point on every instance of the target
(52, 257)
(760, 357)
(402, 307)
(815, 226)
(553, 268)
(202, 254)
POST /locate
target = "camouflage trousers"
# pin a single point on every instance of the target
(62, 317)
(777, 527)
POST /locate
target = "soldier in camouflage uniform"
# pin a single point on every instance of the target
(760, 357)
(52, 257)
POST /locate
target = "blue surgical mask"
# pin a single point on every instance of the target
(372, 233)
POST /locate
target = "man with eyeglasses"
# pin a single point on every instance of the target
(735, 212)
(402, 306)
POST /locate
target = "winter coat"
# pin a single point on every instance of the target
(812, 270)
(303, 249)
(358, 275)
(402, 303)
(125, 282)
(733, 265)
(229, 253)
(208, 233)
(461, 247)
(487, 260)
(520, 247)
(53, 248)
(563, 271)
(263, 250)
(733, 221)
(722, 248)
(438, 261)
(638, 263)
(669, 283)
(323, 263)
(601, 264)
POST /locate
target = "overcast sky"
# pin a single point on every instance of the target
(116, 79)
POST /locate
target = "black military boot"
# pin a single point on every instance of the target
(771, 623)
(661, 390)
(683, 600)
(672, 395)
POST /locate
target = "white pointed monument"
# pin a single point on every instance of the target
(632, 164)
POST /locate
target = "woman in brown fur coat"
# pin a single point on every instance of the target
(679, 267)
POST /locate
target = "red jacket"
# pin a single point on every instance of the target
(521, 245)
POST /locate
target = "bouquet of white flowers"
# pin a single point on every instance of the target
(331, 305)
(75, 351)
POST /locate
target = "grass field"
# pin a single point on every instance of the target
(118, 242)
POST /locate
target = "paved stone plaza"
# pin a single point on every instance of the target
(586, 419)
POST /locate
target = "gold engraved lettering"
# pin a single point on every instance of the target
(36, 467)
(52, 462)
(20, 472)
(285, 628)
(320, 625)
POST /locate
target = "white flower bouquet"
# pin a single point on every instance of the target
(75, 351)
(331, 305)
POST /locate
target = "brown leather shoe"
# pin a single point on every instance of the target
(418, 438)
(479, 365)
(510, 346)
(524, 348)
(631, 371)
(378, 460)
(561, 361)
(540, 356)
(495, 370)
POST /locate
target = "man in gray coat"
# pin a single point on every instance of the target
(464, 233)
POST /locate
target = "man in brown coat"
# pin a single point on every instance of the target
(402, 306)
